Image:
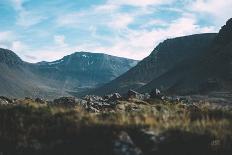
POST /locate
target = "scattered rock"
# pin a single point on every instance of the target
(134, 94)
(115, 97)
(92, 109)
(100, 103)
(39, 100)
(156, 94)
(92, 98)
(123, 145)
(66, 101)
(5, 100)
(28, 98)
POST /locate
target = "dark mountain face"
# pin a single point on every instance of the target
(211, 71)
(163, 58)
(9, 58)
(70, 74)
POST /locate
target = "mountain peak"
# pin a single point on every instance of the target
(9, 57)
(225, 34)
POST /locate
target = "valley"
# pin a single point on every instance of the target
(177, 100)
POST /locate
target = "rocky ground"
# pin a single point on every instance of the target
(129, 124)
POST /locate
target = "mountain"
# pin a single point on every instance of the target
(162, 59)
(212, 71)
(16, 80)
(9, 58)
(67, 76)
(83, 70)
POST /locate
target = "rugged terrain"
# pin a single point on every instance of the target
(134, 124)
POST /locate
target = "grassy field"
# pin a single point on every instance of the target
(151, 127)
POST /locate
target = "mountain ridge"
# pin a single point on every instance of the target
(60, 77)
(162, 58)
(211, 72)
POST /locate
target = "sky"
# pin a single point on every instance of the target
(47, 30)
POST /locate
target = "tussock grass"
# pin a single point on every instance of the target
(32, 128)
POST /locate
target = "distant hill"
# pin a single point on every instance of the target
(162, 59)
(71, 74)
(83, 70)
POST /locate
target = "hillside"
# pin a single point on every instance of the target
(163, 58)
(210, 72)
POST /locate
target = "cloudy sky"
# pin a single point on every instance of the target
(49, 29)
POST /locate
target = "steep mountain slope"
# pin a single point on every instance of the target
(16, 80)
(71, 74)
(212, 71)
(164, 57)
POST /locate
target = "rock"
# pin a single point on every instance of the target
(147, 96)
(134, 94)
(156, 94)
(66, 101)
(81, 102)
(115, 97)
(149, 141)
(123, 145)
(39, 100)
(100, 103)
(92, 98)
(5, 100)
(92, 109)
(28, 98)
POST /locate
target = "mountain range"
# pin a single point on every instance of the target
(69, 75)
(193, 64)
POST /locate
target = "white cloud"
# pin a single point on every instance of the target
(221, 10)
(155, 22)
(70, 19)
(122, 40)
(6, 36)
(130, 43)
(140, 3)
(17, 4)
(108, 14)
(60, 40)
(138, 44)
(18, 46)
(121, 21)
(27, 19)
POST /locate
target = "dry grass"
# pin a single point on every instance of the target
(28, 123)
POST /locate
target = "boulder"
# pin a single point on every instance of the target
(39, 100)
(92, 109)
(66, 101)
(92, 98)
(134, 94)
(112, 97)
(100, 103)
(5, 100)
(123, 145)
(156, 94)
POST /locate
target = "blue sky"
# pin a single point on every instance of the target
(49, 29)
